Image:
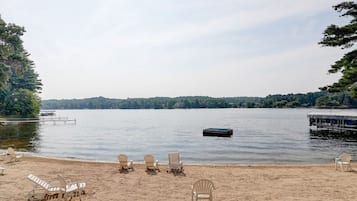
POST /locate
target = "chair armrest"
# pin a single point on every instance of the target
(130, 164)
(64, 181)
(19, 155)
(68, 181)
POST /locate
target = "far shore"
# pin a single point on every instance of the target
(232, 181)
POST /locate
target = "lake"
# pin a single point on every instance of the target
(260, 136)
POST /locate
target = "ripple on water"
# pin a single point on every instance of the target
(260, 136)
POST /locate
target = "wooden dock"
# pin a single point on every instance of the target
(53, 120)
(47, 112)
(340, 123)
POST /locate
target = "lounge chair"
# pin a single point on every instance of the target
(43, 190)
(124, 164)
(343, 160)
(175, 164)
(12, 155)
(151, 164)
(202, 189)
(58, 189)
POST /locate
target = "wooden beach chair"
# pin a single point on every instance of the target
(124, 164)
(202, 189)
(344, 162)
(175, 164)
(13, 157)
(151, 164)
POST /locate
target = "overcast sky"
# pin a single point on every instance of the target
(132, 48)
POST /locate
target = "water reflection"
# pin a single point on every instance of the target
(22, 136)
(329, 135)
(331, 144)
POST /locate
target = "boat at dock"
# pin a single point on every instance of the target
(218, 132)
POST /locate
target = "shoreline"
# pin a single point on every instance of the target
(73, 159)
(250, 182)
(304, 164)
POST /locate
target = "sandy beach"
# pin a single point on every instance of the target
(232, 182)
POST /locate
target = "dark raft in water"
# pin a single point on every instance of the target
(218, 132)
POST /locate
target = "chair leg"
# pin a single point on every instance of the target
(349, 167)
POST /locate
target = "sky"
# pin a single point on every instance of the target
(142, 48)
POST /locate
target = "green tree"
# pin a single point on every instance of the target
(16, 74)
(13, 57)
(345, 37)
(22, 103)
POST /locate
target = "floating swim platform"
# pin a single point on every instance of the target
(218, 132)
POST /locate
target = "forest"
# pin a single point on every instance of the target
(339, 100)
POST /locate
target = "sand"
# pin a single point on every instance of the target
(233, 182)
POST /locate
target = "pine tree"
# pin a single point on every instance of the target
(345, 37)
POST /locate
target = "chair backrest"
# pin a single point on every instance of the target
(123, 158)
(123, 161)
(345, 157)
(62, 181)
(38, 181)
(11, 151)
(203, 186)
(174, 159)
(149, 160)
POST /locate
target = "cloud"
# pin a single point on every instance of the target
(172, 48)
(297, 70)
(243, 18)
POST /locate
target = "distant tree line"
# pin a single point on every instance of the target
(315, 99)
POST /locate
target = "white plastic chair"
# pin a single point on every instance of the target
(344, 162)
(202, 189)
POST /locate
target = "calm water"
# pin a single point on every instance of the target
(260, 136)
